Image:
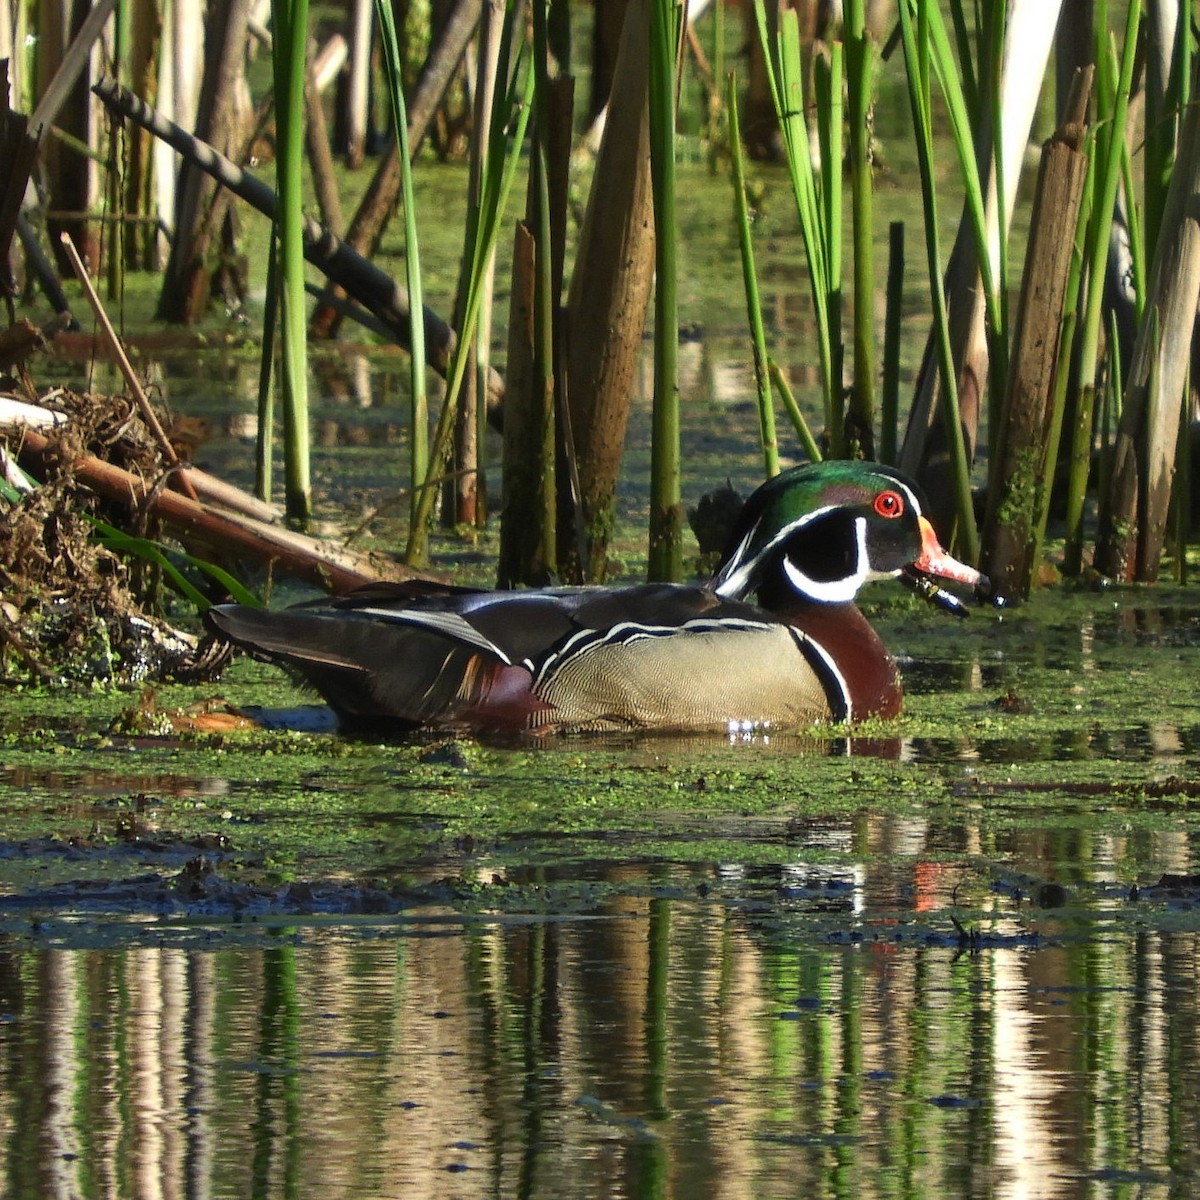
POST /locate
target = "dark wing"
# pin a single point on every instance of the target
(447, 656)
(368, 669)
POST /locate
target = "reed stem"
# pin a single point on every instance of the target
(766, 407)
(290, 22)
(666, 506)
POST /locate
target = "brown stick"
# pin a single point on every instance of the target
(320, 157)
(318, 563)
(212, 490)
(610, 292)
(135, 385)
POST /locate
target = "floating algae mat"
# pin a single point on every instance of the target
(954, 950)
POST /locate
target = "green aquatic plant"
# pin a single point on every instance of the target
(918, 44)
(1113, 91)
(173, 564)
(666, 505)
(820, 226)
(290, 24)
(758, 336)
(515, 82)
(418, 404)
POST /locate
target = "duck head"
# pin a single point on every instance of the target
(818, 532)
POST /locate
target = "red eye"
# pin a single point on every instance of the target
(889, 504)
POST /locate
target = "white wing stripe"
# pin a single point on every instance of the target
(448, 624)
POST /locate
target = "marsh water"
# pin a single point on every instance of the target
(955, 954)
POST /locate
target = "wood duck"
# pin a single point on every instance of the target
(664, 656)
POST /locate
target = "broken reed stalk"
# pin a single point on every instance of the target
(126, 367)
(889, 415)
(1021, 470)
(609, 298)
(546, 285)
(1134, 510)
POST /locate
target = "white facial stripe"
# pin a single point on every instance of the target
(735, 584)
(912, 498)
(738, 582)
(835, 591)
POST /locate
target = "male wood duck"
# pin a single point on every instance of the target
(663, 656)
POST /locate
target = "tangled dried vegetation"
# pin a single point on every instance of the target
(72, 612)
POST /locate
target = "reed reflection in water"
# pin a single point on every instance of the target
(673, 1045)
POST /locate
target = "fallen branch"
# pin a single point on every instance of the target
(17, 415)
(318, 563)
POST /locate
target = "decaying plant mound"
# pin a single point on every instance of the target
(70, 610)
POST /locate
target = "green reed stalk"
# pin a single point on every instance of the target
(963, 118)
(789, 402)
(829, 72)
(1112, 97)
(264, 440)
(418, 403)
(860, 77)
(783, 58)
(506, 136)
(666, 505)
(289, 20)
(766, 408)
(890, 400)
(966, 59)
(545, 302)
(917, 57)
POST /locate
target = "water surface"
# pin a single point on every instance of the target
(956, 956)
